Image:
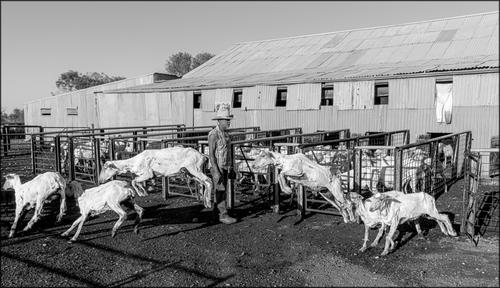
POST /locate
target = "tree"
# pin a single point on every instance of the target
(179, 63)
(73, 80)
(200, 58)
(17, 116)
(182, 62)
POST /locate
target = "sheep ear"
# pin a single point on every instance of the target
(110, 165)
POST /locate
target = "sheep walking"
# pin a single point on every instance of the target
(393, 208)
(33, 194)
(161, 162)
(105, 197)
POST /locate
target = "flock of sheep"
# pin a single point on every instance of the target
(388, 209)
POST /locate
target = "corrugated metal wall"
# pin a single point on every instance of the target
(84, 100)
(303, 97)
(411, 106)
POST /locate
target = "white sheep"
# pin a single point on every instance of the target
(393, 208)
(33, 194)
(161, 162)
(447, 150)
(302, 170)
(105, 197)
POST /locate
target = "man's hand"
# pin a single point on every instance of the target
(216, 176)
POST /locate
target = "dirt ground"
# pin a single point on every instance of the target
(180, 245)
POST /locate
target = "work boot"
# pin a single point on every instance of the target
(226, 219)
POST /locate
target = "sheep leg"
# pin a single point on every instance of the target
(204, 181)
(137, 182)
(62, 208)
(381, 231)
(77, 221)
(419, 230)
(389, 243)
(140, 212)
(330, 201)
(123, 215)
(365, 239)
(82, 220)
(283, 185)
(138, 188)
(36, 215)
(20, 213)
(444, 224)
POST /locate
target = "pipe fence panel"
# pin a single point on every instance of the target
(245, 151)
(339, 156)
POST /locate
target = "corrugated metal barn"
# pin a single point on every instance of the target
(79, 108)
(432, 76)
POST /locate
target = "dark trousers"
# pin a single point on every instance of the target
(220, 187)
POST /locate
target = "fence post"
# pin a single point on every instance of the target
(4, 136)
(57, 150)
(71, 156)
(134, 141)
(33, 162)
(398, 167)
(97, 154)
(164, 180)
(230, 182)
(301, 196)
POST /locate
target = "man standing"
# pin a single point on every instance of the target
(220, 160)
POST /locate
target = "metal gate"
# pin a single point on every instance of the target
(472, 174)
(480, 196)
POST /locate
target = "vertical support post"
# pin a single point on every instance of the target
(4, 136)
(8, 134)
(33, 160)
(97, 159)
(465, 193)
(71, 156)
(134, 141)
(164, 187)
(57, 151)
(230, 182)
(398, 169)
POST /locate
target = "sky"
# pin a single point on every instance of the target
(43, 39)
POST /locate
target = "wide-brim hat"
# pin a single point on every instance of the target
(222, 112)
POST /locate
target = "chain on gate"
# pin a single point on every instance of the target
(471, 195)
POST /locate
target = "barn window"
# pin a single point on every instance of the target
(281, 97)
(46, 111)
(72, 111)
(443, 100)
(196, 100)
(237, 97)
(382, 93)
(327, 94)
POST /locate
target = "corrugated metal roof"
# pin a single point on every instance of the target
(458, 43)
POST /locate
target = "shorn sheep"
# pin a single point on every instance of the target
(105, 197)
(393, 208)
(33, 194)
(301, 170)
(161, 162)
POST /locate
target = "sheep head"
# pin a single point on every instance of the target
(108, 170)
(74, 189)
(10, 181)
(264, 159)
